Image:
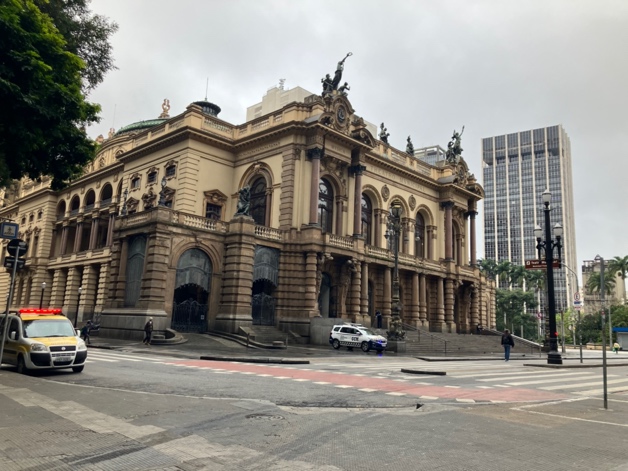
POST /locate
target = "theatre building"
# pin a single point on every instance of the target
(206, 225)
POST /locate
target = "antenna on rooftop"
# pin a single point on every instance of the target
(206, 87)
(281, 83)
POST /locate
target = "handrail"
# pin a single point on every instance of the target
(429, 334)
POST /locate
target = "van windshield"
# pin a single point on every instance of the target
(48, 328)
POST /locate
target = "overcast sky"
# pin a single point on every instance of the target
(424, 68)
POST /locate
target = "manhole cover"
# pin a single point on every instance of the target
(264, 417)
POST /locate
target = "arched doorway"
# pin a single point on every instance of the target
(265, 279)
(191, 294)
(324, 298)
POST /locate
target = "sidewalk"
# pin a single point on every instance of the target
(209, 347)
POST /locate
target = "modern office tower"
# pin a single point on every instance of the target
(518, 168)
(431, 154)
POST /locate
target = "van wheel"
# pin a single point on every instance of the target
(365, 347)
(21, 366)
(78, 369)
(335, 344)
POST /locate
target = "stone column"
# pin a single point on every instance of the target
(364, 298)
(387, 301)
(377, 242)
(405, 235)
(57, 290)
(64, 238)
(87, 300)
(78, 236)
(118, 272)
(338, 214)
(312, 284)
(449, 306)
(110, 224)
(71, 298)
(475, 307)
(102, 291)
(439, 321)
(472, 241)
(358, 170)
(423, 300)
(448, 229)
(414, 306)
(430, 242)
(459, 254)
(93, 240)
(269, 204)
(315, 155)
(356, 289)
(237, 279)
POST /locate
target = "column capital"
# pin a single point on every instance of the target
(357, 169)
(447, 204)
(471, 214)
(315, 153)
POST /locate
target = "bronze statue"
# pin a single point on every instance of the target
(244, 202)
(329, 84)
(343, 89)
(454, 150)
(383, 134)
(410, 147)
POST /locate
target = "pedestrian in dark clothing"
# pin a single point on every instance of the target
(479, 329)
(508, 343)
(148, 331)
(85, 332)
(378, 317)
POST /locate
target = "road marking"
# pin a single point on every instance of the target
(595, 392)
(544, 375)
(396, 394)
(553, 380)
(586, 385)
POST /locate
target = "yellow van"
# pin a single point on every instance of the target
(40, 339)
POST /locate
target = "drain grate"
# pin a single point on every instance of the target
(264, 417)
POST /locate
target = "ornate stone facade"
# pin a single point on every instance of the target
(321, 186)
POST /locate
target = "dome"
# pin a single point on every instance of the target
(208, 108)
(140, 126)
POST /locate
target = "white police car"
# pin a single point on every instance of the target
(356, 335)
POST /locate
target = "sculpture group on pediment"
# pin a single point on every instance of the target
(332, 84)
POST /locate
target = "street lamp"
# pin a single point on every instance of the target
(78, 303)
(393, 230)
(547, 246)
(41, 298)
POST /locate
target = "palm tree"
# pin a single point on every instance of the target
(619, 266)
(594, 285)
(488, 267)
(517, 275)
(503, 271)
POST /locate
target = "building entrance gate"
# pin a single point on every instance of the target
(191, 295)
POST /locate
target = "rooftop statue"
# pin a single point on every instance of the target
(330, 84)
(383, 134)
(244, 202)
(343, 89)
(454, 150)
(410, 147)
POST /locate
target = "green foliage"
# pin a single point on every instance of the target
(511, 306)
(594, 284)
(44, 110)
(619, 316)
(86, 35)
(488, 267)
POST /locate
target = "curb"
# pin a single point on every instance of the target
(282, 361)
(421, 372)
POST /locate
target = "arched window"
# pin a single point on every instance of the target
(367, 220)
(258, 201)
(90, 199)
(419, 236)
(325, 205)
(105, 195)
(61, 210)
(74, 205)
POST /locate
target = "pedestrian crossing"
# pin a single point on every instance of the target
(463, 375)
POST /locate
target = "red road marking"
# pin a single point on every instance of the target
(381, 384)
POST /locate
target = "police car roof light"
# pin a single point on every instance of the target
(44, 312)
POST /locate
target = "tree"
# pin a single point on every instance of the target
(42, 126)
(619, 266)
(488, 267)
(503, 271)
(517, 275)
(511, 307)
(86, 34)
(594, 284)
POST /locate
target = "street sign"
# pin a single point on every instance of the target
(9, 261)
(577, 301)
(541, 265)
(17, 247)
(8, 230)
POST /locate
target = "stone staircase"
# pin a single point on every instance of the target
(423, 343)
(267, 334)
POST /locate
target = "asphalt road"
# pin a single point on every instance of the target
(133, 410)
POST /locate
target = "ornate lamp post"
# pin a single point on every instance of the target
(41, 298)
(547, 247)
(393, 230)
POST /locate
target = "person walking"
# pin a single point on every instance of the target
(85, 332)
(508, 343)
(148, 331)
(378, 317)
(616, 348)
